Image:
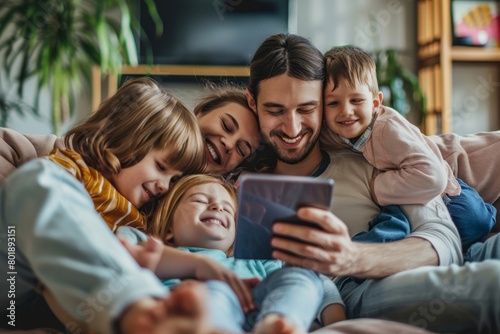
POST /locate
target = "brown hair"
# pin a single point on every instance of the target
(162, 218)
(353, 65)
(139, 117)
(285, 54)
(220, 95)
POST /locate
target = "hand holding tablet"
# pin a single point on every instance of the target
(264, 199)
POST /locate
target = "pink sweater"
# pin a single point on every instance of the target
(475, 159)
(414, 169)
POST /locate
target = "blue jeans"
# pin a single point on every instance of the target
(472, 216)
(451, 299)
(480, 251)
(390, 224)
(291, 291)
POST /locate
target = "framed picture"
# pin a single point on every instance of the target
(476, 23)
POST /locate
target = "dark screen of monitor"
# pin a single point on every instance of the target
(206, 32)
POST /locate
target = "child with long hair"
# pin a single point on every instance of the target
(198, 216)
(129, 151)
(124, 156)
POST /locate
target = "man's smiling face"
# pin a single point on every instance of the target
(290, 112)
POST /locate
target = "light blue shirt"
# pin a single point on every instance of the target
(242, 267)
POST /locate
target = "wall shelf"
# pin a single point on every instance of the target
(436, 56)
(464, 53)
(111, 80)
(188, 70)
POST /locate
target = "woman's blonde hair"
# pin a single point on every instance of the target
(138, 118)
(162, 218)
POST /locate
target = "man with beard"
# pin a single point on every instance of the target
(420, 280)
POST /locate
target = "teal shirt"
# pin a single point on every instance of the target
(242, 267)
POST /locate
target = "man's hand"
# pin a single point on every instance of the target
(328, 250)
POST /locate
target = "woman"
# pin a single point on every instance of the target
(229, 127)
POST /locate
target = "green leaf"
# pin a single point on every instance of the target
(153, 12)
(58, 41)
(127, 37)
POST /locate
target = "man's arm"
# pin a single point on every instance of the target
(331, 251)
(432, 222)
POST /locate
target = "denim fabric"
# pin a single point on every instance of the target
(472, 216)
(449, 299)
(390, 224)
(480, 251)
(291, 291)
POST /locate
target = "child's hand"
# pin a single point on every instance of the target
(212, 270)
(147, 253)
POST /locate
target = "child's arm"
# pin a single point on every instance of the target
(332, 308)
(414, 171)
(169, 262)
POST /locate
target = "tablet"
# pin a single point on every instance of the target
(264, 199)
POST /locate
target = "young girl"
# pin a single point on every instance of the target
(414, 171)
(124, 156)
(128, 152)
(198, 216)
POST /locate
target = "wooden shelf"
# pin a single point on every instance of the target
(467, 53)
(188, 70)
(436, 56)
(172, 70)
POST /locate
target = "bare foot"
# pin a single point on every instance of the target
(277, 324)
(182, 312)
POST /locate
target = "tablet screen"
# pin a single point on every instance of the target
(264, 199)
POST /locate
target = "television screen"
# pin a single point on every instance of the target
(211, 32)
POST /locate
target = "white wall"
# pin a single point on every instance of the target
(368, 24)
(475, 102)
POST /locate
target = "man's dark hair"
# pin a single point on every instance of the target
(286, 54)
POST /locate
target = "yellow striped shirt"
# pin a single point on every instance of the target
(115, 209)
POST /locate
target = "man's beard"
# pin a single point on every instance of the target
(297, 156)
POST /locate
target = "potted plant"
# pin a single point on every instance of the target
(400, 86)
(59, 41)
(10, 102)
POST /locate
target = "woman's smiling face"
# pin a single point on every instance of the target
(231, 134)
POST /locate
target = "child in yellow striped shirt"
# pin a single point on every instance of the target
(125, 155)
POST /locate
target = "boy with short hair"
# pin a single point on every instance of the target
(413, 169)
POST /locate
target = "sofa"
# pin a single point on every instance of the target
(473, 158)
